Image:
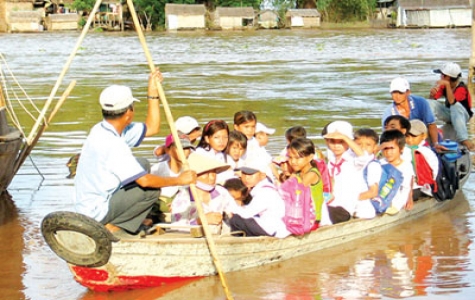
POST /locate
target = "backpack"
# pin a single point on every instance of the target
(324, 174)
(422, 170)
(299, 215)
(447, 179)
(389, 184)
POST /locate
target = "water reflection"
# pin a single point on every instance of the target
(416, 259)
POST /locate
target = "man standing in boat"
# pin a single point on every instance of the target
(112, 186)
(411, 107)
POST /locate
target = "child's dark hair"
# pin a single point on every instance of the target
(237, 137)
(393, 135)
(367, 133)
(295, 132)
(244, 116)
(403, 121)
(211, 128)
(304, 147)
(236, 184)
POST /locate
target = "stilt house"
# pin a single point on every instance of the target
(184, 16)
(234, 17)
(303, 18)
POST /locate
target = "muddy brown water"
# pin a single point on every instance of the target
(287, 78)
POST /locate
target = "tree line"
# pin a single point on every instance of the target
(152, 12)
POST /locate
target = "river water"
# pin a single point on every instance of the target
(287, 77)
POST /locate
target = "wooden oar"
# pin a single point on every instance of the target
(181, 153)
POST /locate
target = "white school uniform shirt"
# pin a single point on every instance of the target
(348, 181)
(400, 199)
(162, 169)
(184, 211)
(432, 161)
(364, 208)
(267, 208)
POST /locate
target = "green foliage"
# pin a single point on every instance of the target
(346, 10)
(82, 21)
(85, 5)
(238, 3)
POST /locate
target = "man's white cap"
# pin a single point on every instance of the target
(450, 69)
(116, 97)
(342, 127)
(262, 128)
(399, 84)
(186, 124)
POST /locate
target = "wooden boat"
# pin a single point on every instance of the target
(15, 142)
(156, 260)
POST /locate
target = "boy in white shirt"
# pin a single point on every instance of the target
(392, 143)
(263, 216)
(345, 162)
(368, 140)
(416, 141)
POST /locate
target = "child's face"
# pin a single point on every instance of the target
(262, 138)
(415, 140)
(297, 162)
(219, 140)
(237, 195)
(207, 177)
(252, 180)
(395, 124)
(337, 147)
(367, 144)
(391, 152)
(248, 128)
(236, 151)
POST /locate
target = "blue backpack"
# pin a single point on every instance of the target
(391, 180)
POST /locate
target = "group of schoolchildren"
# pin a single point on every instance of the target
(238, 181)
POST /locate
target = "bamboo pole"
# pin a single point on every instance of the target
(181, 153)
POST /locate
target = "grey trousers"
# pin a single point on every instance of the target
(130, 205)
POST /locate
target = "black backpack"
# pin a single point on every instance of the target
(447, 179)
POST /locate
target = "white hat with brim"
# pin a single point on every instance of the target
(186, 124)
(253, 166)
(116, 97)
(450, 69)
(417, 127)
(263, 128)
(342, 127)
(201, 164)
(399, 84)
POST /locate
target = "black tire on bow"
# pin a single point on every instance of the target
(78, 239)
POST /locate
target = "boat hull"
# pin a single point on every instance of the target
(9, 149)
(157, 260)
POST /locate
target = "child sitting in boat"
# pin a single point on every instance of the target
(345, 161)
(301, 152)
(263, 216)
(237, 145)
(281, 168)
(368, 140)
(392, 143)
(171, 167)
(238, 191)
(216, 199)
(214, 141)
(188, 128)
(425, 161)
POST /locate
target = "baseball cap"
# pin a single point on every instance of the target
(186, 124)
(399, 84)
(201, 164)
(263, 128)
(253, 166)
(185, 143)
(450, 69)
(116, 97)
(342, 127)
(417, 128)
